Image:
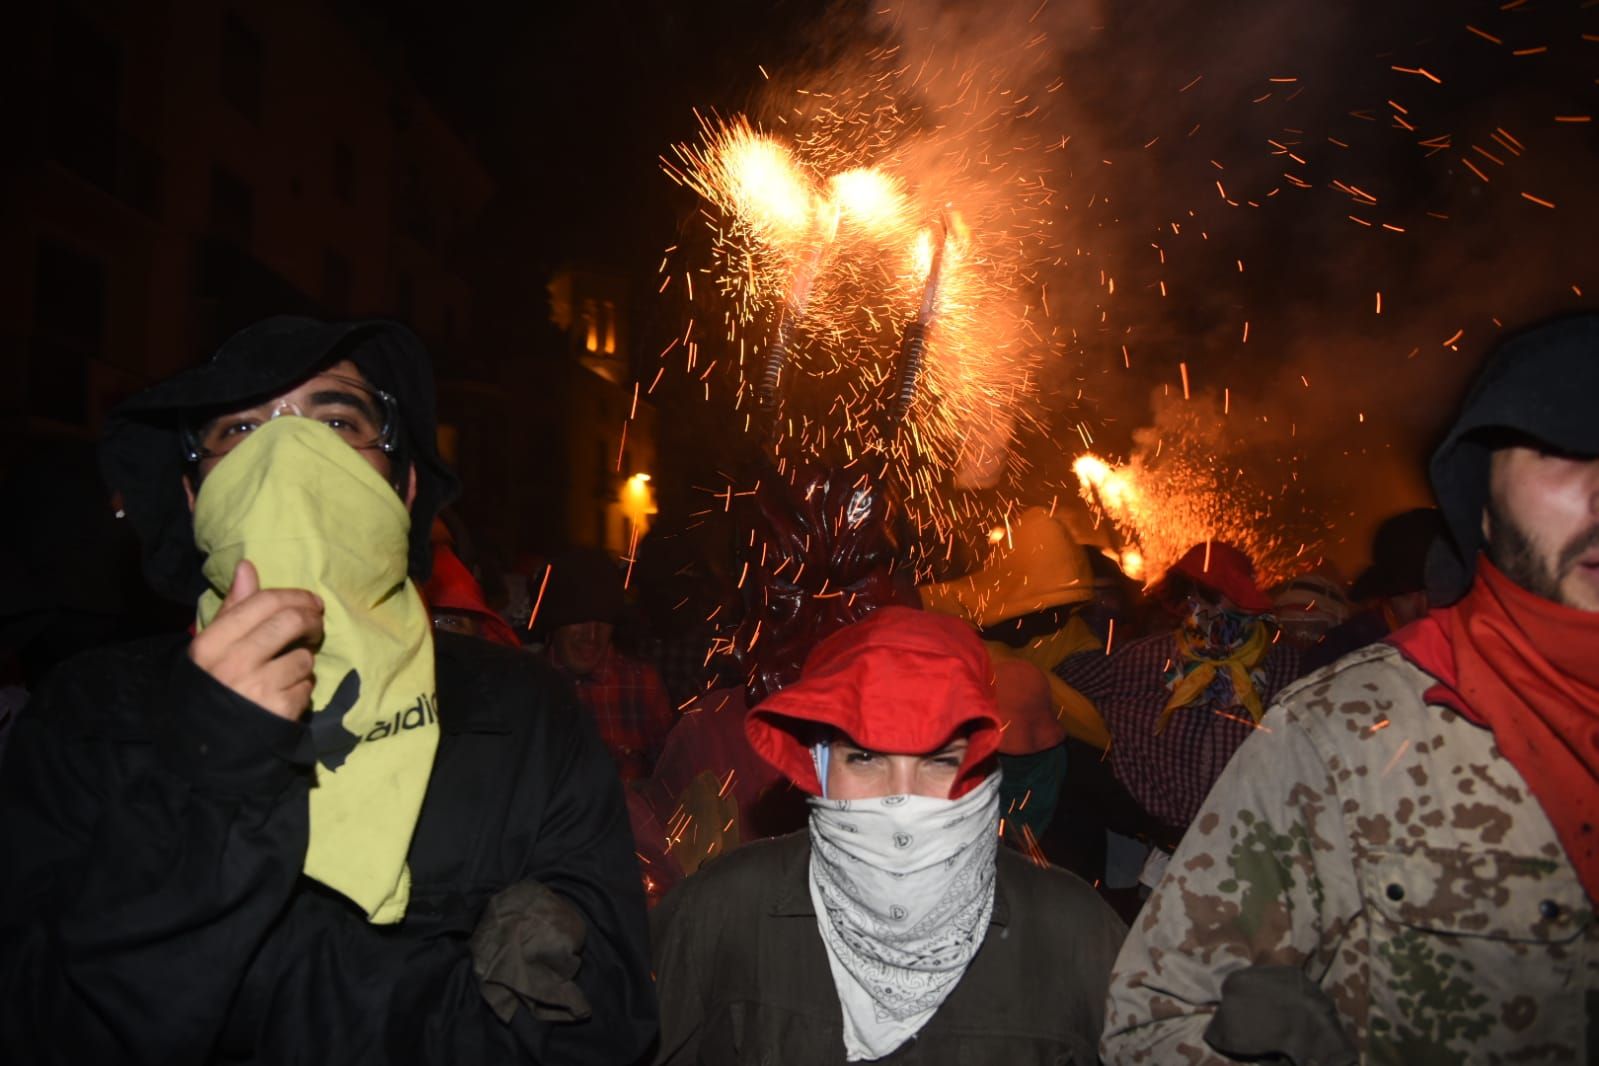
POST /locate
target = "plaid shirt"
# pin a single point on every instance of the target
(1171, 774)
(684, 663)
(631, 708)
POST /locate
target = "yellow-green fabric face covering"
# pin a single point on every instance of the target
(311, 513)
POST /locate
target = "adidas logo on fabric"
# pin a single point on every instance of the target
(425, 711)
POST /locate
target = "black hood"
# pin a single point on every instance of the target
(1542, 382)
(1399, 552)
(143, 453)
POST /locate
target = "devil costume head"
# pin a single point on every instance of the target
(818, 553)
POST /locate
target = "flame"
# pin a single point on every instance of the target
(1114, 487)
(764, 185)
(870, 198)
(1132, 562)
(1161, 508)
(922, 255)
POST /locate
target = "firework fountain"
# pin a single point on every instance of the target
(877, 323)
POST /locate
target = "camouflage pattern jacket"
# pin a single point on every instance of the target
(1384, 848)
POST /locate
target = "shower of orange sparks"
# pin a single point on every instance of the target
(1160, 506)
(847, 250)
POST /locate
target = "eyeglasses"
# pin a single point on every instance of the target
(364, 417)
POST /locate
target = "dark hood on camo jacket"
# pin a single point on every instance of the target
(143, 455)
(1542, 382)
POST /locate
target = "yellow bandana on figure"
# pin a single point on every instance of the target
(311, 513)
(1194, 672)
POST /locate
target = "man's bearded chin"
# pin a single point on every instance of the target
(1513, 550)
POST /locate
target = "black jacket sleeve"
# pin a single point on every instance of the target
(585, 853)
(152, 827)
(522, 790)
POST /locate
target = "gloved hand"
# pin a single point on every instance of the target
(1276, 1014)
(526, 952)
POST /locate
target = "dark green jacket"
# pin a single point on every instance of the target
(743, 977)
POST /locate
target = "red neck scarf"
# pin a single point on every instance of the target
(1528, 669)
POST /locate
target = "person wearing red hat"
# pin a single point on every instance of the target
(1179, 703)
(455, 601)
(895, 928)
(1402, 865)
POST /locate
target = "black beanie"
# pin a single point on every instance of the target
(1399, 552)
(585, 585)
(143, 454)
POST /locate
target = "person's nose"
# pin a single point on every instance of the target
(902, 775)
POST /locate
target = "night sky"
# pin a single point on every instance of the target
(1335, 151)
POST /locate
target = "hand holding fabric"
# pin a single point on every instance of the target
(260, 643)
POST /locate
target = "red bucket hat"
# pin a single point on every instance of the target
(1220, 566)
(900, 681)
(453, 588)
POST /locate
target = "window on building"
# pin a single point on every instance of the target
(602, 467)
(84, 98)
(343, 172)
(414, 211)
(405, 299)
(242, 67)
(232, 208)
(610, 328)
(336, 282)
(69, 321)
(591, 326)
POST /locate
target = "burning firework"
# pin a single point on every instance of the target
(877, 277)
(1179, 490)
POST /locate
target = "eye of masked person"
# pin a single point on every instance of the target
(364, 417)
(862, 772)
(943, 760)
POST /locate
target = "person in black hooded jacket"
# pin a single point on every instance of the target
(162, 887)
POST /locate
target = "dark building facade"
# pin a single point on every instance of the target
(185, 167)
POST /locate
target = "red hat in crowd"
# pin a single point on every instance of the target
(1219, 566)
(453, 588)
(901, 681)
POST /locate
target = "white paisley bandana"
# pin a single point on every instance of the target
(903, 888)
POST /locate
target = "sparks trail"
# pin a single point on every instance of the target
(876, 272)
(1179, 489)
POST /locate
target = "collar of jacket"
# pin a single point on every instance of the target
(793, 896)
(466, 704)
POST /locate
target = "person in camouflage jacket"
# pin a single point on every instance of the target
(1400, 864)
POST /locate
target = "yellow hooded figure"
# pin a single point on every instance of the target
(1037, 566)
